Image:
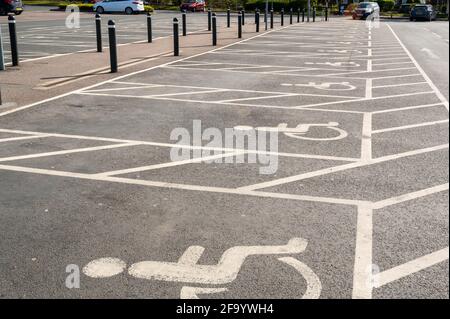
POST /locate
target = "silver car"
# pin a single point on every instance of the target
(366, 9)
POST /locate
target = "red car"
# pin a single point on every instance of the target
(193, 5)
(11, 6)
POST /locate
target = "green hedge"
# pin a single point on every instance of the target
(84, 7)
(386, 5)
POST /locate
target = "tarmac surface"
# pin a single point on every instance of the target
(44, 34)
(357, 206)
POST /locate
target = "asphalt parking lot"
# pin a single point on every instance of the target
(47, 38)
(357, 206)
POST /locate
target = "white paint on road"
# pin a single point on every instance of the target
(430, 53)
(411, 267)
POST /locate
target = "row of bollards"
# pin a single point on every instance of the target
(212, 26)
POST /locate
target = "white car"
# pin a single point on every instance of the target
(127, 6)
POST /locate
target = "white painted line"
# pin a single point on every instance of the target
(78, 150)
(295, 178)
(20, 138)
(115, 140)
(363, 99)
(260, 97)
(169, 164)
(368, 89)
(410, 196)
(399, 109)
(396, 76)
(362, 72)
(411, 267)
(330, 170)
(430, 53)
(344, 99)
(125, 76)
(398, 128)
(430, 83)
(366, 138)
(181, 186)
(380, 64)
(207, 90)
(398, 85)
(362, 271)
(125, 88)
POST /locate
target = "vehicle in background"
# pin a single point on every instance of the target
(366, 9)
(193, 5)
(11, 6)
(127, 6)
(423, 12)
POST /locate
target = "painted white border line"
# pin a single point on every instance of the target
(169, 164)
(410, 267)
(130, 74)
(405, 127)
(399, 109)
(426, 77)
(190, 147)
(19, 138)
(181, 186)
(77, 150)
(362, 270)
(330, 170)
(410, 196)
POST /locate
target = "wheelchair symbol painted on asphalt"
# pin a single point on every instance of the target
(300, 130)
(330, 86)
(187, 269)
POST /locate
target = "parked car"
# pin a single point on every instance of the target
(365, 9)
(423, 12)
(193, 5)
(127, 6)
(11, 6)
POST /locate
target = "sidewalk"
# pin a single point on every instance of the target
(45, 78)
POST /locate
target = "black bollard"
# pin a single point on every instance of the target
(98, 32)
(209, 19)
(112, 45)
(149, 28)
(298, 15)
(13, 40)
(183, 22)
(303, 15)
(228, 18)
(271, 19)
(282, 17)
(314, 14)
(257, 21)
(2, 57)
(290, 16)
(326, 13)
(176, 40)
(239, 25)
(214, 30)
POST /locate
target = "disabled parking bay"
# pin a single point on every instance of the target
(356, 205)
